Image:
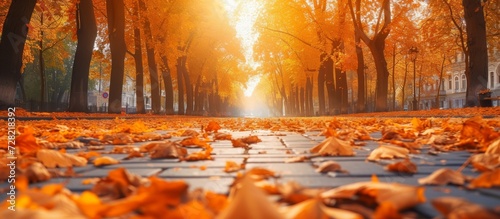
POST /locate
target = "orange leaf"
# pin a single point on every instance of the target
(26, 141)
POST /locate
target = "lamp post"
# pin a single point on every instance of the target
(413, 56)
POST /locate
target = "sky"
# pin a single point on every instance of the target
(244, 13)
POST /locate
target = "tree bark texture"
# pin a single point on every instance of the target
(14, 34)
(116, 29)
(477, 79)
(86, 33)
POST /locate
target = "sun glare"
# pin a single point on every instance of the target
(243, 14)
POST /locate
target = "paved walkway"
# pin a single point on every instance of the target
(272, 152)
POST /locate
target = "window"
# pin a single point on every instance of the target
(449, 83)
(464, 85)
(492, 80)
(457, 86)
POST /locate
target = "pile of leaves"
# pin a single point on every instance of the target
(41, 151)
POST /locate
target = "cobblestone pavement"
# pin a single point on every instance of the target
(272, 152)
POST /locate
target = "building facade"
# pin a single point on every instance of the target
(454, 85)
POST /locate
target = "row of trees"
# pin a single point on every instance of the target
(322, 41)
(186, 48)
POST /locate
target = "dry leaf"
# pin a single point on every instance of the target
(401, 196)
(26, 141)
(37, 172)
(241, 207)
(205, 154)
(103, 161)
(252, 139)
(167, 150)
(296, 159)
(118, 184)
(59, 145)
(494, 147)
(486, 180)
(260, 173)
(51, 159)
(189, 132)
(405, 166)
(476, 128)
(293, 193)
(485, 162)
(443, 176)
(314, 208)
(453, 207)
(329, 166)
(222, 136)
(388, 152)
(333, 147)
(239, 143)
(133, 154)
(212, 127)
(232, 166)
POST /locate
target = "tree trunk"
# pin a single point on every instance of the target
(326, 67)
(342, 90)
(152, 67)
(169, 90)
(41, 62)
(393, 77)
(321, 90)
(116, 27)
(189, 90)
(180, 84)
(441, 71)
(302, 101)
(14, 34)
(86, 34)
(382, 83)
(477, 79)
(404, 85)
(139, 67)
(310, 102)
(361, 75)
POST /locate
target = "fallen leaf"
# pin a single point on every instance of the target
(405, 166)
(486, 180)
(189, 132)
(238, 143)
(485, 162)
(252, 139)
(212, 127)
(232, 166)
(26, 141)
(37, 172)
(494, 147)
(240, 207)
(443, 176)
(104, 161)
(454, 207)
(133, 154)
(292, 192)
(388, 152)
(51, 159)
(401, 196)
(333, 147)
(314, 208)
(296, 159)
(476, 128)
(119, 183)
(222, 136)
(123, 149)
(329, 166)
(167, 150)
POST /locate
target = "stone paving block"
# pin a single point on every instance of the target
(268, 151)
(440, 191)
(287, 169)
(102, 172)
(217, 185)
(220, 162)
(195, 173)
(494, 192)
(228, 151)
(256, 159)
(73, 184)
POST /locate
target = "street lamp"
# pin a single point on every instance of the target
(413, 56)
